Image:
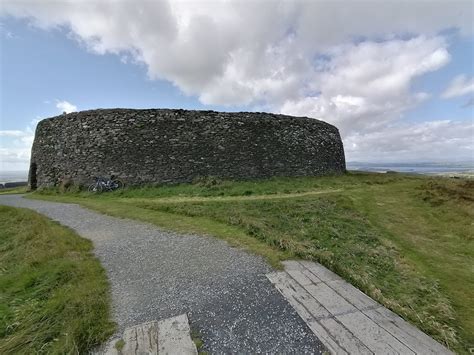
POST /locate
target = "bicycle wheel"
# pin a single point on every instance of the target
(117, 184)
(95, 188)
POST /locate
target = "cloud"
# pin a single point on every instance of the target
(459, 86)
(15, 147)
(367, 85)
(469, 103)
(14, 158)
(65, 106)
(12, 133)
(236, 52)
(22, 137)
(426, 141)
(350, 63)
(6, 33)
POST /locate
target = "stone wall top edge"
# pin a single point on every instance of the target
(236, 115)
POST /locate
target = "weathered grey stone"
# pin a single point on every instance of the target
(168, 336)
(172, 146)
(345, 319)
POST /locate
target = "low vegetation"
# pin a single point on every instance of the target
(53, 292)
(404, 240)
(14, 190)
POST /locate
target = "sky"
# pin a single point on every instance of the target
(396, 77)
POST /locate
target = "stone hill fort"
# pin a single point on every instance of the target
(155, 146)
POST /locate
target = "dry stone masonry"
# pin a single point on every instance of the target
(172, 146)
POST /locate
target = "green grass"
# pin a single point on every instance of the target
(54, 295)
(14, 190)
(404, 240)
(119, 345)
(196, 337)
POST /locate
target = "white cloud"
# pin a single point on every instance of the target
(14, 159)
(15, 147)
(367, 85)
(65, 106)
(459, 86)
(426, 141)
(12, 133)
(350, 63)
(237, 52)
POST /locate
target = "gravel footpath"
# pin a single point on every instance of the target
(157, 274)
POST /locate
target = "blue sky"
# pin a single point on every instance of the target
(462, 59)
(400, 94)
(40, 67)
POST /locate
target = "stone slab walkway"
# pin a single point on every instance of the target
(346, 320)
(168, 336)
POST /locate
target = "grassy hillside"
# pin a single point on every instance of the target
(53, 292)
(404, 240)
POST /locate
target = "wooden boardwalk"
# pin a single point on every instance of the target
(346, 320)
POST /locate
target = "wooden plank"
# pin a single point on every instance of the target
(281, 284)
(295, 269)
(346, 319)
(372, 335)
(344, 337)
(294, 294)
(307, 308)
(326, 338)
(353, 295)
(311, 276)
(409, 335)
(292, 265)
(299, 277)
(291, 289)
(330, 299)
(320, 271)
(174, 336)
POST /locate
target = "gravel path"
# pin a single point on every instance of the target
(157, 274)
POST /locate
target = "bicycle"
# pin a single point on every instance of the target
(102, 184)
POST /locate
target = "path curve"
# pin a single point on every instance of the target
(158, 274)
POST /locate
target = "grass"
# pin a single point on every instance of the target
(14, 190)
(404, 240)
(119, 344)
(54, 295)
(196, 337)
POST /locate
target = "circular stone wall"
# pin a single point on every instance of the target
(171, 146)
